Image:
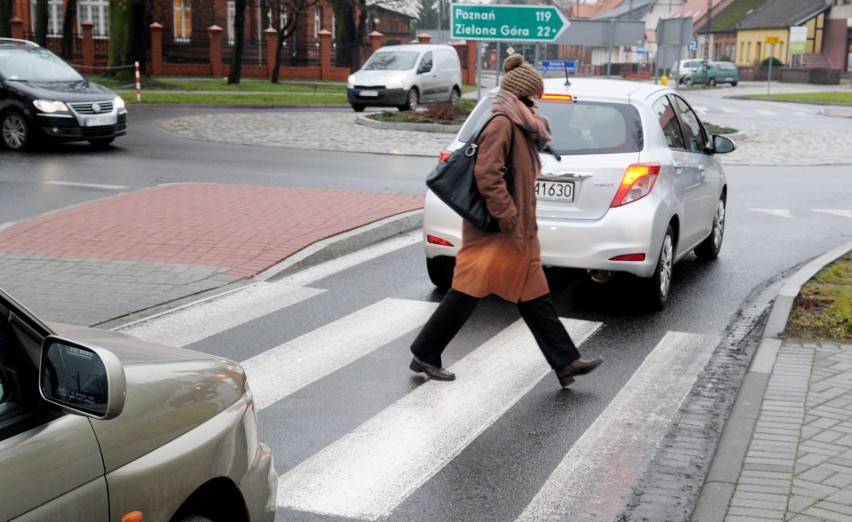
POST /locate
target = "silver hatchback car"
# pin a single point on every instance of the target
(635, 185)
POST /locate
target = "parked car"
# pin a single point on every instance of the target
(716, 72)
(683, 68)
(44, 98)
(100, 426)
(404, 76)
(639, 185)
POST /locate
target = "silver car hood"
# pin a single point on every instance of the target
(169, 392)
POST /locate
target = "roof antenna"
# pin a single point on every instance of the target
(567, 81)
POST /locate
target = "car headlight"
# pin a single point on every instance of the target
(118, 102)
(50, 106)
(351, 81)
(396, 81)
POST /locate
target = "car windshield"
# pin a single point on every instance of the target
(391, 61)
(35, 64)
(581, 127)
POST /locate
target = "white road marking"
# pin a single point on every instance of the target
(371, 470)
(280, 371)
(837, 212)
(86, 185)
(780, 212)
(596, 478)
(201, 319)
(192, 323)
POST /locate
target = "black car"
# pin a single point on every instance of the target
(44, 98)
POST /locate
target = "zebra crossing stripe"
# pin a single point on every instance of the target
(596, 478)
(198, 321)
(372, 469)
(280, 371)
(837, 212)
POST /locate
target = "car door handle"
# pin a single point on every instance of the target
(677, 165)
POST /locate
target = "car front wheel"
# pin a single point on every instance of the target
(357, 107)
(16, 131)
(688, 82)
(711, 82)
(411, 102)
(710, 247)
(660, 284)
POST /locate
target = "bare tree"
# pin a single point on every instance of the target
(68, 29)
(288, 17)
(7, 9)
(239, 40)
(40, 36)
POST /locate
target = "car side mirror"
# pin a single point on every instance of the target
(723, 145)
(82, 379)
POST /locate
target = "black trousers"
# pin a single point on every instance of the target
(456, 308)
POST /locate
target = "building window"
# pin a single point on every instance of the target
(317, 22)
(54, 17)
(232, 13)
(183, 20)
(97, 12)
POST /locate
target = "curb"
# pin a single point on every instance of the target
(421, 127)
(316, 253)
(721, 479)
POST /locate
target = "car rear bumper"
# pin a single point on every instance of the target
(383, 98)
(583, 244)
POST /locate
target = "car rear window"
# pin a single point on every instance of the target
(593, 127)
(581, 127)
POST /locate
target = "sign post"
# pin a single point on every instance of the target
(771, 40)
(528, 23)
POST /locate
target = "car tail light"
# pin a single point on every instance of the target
(637, 182)
(435, 240)
(444, 155)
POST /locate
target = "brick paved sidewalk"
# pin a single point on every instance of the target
(119, 255)
(786, 450)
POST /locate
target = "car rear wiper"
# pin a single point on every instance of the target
(548, 149)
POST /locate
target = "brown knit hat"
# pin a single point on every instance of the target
(521, 78)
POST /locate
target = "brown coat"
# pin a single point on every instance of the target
(505, 263)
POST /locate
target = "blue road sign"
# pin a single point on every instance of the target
(551, 65)
(692, 46)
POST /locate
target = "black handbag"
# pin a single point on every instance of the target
(453, 182)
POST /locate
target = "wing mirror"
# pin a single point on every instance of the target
(723, 145)
(82, 379)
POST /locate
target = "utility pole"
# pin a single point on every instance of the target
(707, 38)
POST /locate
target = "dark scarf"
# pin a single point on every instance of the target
(536, 126)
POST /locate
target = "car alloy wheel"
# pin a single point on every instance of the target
(454, 98)
(710, 247)
(412, 101)
(16, 132)
(660, 283)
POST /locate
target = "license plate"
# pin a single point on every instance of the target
(369, 93)
(555, 190)
(102, 119)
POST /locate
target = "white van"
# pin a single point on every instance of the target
(404, 76)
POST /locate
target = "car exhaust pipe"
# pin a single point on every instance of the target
(600, 276)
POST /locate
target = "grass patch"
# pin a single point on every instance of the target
(718, 129)
(437, 113)
(219, 84)
(202, 98)
(836, 97)
(823, 308)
